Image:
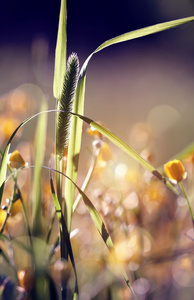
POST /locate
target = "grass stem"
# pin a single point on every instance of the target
(188, 202)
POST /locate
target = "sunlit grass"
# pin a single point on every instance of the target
(66, 235)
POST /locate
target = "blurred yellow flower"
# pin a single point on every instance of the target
(26, 278)
(15, 160)
(175, 170)
(8, 125)
(3, 215)
(105, 155)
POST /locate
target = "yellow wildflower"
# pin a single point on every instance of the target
(26, 278)
(3, 215)
(15, 160)
(105, 155)
(8, 125)
(175, 170)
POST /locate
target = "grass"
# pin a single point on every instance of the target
(50, 246)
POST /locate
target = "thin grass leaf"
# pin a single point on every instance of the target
(40, 139)
(4, 159)
(76, 127)
(132, 153)
(60, 52)
(87, 178)
(144, 32)
(90, 122)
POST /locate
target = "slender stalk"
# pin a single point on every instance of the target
(19, 196)
(26, 220)
(9, 208)
(50, 228)
(16, 188)
(6, 218)
(188, 202)
(59, 167)
(87, 178)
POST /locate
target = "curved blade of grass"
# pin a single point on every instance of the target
(144, 32)
(123, 146)
(40, 140)
(76, 126)
(3, 167)
(60, 52)
(4, 159)
(87, 178)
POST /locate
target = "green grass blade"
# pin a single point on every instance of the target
(76, 128)
(4, 159)
(40, 139)
(144, 32)
(87, 178)
(132, 153)
(60, 53)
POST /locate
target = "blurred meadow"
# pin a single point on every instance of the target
(142, 90)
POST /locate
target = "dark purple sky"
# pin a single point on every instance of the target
(89, 22)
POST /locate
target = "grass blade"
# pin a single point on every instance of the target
(40, 140)
(4, 159)
(132, 153)
(60, 52)
(144, 32)
(76, 127)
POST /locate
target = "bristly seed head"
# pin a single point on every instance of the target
(66, 103)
